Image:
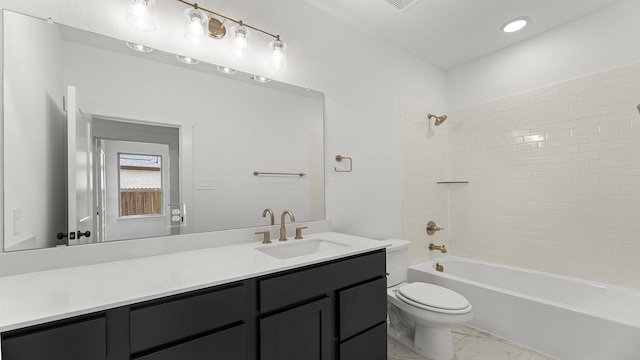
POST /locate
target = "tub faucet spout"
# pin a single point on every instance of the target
(438, 247)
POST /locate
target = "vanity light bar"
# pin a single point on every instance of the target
(207, 21)
(239, 22)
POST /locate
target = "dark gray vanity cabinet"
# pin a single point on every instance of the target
(75, 339)
(334, 310)
(316, 312)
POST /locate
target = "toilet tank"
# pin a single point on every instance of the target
(397, 261)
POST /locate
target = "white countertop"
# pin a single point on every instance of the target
(39, 297)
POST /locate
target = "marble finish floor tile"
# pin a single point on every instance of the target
(471, 344)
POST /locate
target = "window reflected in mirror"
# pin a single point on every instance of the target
(140, 184)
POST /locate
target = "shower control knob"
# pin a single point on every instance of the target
(432, 228)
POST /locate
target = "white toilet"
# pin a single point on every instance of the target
(420, 315)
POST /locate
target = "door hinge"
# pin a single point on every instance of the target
(64, 103)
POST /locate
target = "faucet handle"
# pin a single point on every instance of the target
(299, 231)
(432, 228)
(266, 236)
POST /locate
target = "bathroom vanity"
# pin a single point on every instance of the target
(231, 302)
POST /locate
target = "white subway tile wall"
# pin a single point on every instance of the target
(554, 178)
(424, 162)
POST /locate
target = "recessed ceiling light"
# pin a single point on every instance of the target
(187, 60)
(261, 79)
(138, 47)
(516, 24)
(227, 70)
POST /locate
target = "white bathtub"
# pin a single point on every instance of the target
(564, 317)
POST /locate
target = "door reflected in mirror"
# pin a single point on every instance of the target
(216, 130)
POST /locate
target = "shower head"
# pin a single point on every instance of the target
(440, 119)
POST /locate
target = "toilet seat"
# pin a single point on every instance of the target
(433, 298)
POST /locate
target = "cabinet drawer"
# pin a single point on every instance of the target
(293, 287)
(362, 307)
(80, 340)
(370, 345)
(179, 317)
(230, 344)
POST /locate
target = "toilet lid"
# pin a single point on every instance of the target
(433, 296)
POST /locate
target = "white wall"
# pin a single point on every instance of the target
(601, 41)
(33, 65)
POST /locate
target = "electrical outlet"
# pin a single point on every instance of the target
(176, 216)
(17, 221)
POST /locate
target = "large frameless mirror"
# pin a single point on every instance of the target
(144, 145)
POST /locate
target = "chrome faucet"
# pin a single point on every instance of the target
(270, 212)
(283, 229)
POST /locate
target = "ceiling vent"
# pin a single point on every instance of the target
(401, 5)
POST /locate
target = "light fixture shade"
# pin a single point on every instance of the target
(138, 47)
(141, 14)
(277, 55)
(195, 26)
(261, 79)
(227, 70)
(238, 39)
(187, 60)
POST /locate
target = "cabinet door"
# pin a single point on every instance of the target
(81, 340)
(305, 332)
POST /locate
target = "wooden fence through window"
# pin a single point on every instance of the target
(140, 202)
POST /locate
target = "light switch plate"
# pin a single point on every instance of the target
(204, 183)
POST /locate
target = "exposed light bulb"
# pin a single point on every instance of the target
(278, 55)
(238, 39)
(195, 26)
(141, 14)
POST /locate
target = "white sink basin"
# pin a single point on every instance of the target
(294, 248)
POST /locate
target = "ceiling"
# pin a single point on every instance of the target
(449, 33)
